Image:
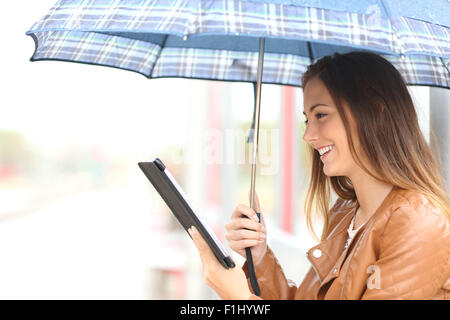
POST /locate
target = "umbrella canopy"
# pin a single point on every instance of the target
(219, 39)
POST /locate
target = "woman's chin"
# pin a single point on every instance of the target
(329, 171)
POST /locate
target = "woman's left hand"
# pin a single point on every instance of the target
(230, 284)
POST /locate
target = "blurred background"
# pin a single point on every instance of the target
(79, 220)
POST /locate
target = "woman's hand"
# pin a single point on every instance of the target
(243, 232)
(230, 284)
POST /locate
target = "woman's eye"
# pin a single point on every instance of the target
(318, 116)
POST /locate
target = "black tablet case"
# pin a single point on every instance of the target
(154, 171)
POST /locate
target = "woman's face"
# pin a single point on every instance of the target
(325, 128)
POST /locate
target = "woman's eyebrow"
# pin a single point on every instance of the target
(314, 106)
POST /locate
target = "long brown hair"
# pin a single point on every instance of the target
(387, 130)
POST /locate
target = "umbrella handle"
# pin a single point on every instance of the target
(251, 267)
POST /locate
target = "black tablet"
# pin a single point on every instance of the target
(172, 194)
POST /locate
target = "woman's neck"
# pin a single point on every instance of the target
(370, 194)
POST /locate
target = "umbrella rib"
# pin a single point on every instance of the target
(311, 57)
(159, 55)
(445, 66)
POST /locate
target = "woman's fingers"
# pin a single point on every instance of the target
(246, 211)
(243, 223)
(197, 239)
(242, 234)
(245, 230)
(242, 244)
(206, 254)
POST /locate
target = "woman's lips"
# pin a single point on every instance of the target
(325, 155)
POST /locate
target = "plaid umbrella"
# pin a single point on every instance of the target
(219, 39)
(265, 41)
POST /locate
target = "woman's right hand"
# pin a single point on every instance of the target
(243, 232)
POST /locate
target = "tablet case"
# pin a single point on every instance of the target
(176, 200)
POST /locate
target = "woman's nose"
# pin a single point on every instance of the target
(310, 134)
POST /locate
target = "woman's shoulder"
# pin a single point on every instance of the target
(405, 197)
(413, 202)
(410, 212)
(409, 206)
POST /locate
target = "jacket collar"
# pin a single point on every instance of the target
(327, 257)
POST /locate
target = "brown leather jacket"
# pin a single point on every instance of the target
(402, 252)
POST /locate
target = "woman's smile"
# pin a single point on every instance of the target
(327, 152)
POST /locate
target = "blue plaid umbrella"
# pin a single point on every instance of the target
(219, 39)
(265, 41)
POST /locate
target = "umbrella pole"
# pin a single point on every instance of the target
(255, 134)
(256, 121)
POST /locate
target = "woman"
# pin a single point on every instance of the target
(388, 234)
